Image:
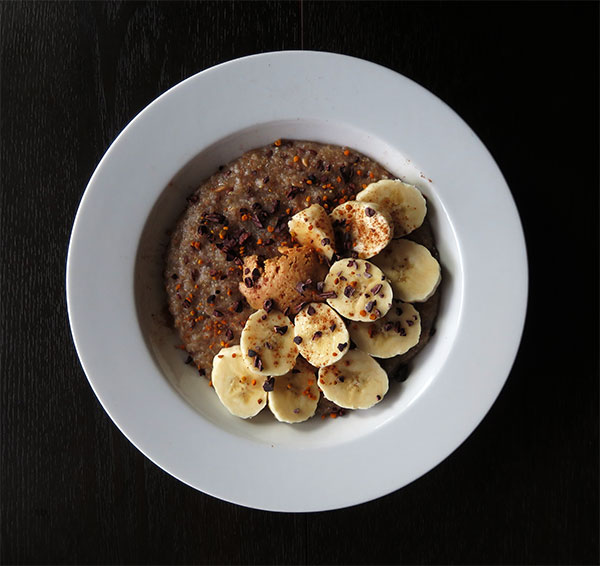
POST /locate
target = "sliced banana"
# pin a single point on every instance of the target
(366, 227)
(312, 227)
(321, 335)
(358, 290)
(355, 382)
(267, 343)
(394, 334)
(238, 388)
(404, 202)
(413, 272)
(295, 395)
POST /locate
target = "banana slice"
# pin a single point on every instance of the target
(267, 343)
(312, 227)
(358, 290)
(355, 382)
(366, 227)
(404, 202)
(321, 335)
(238, 388)
(394, 334)
(413, 272)
(295, 395)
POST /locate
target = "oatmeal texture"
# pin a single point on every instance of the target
(238, 220)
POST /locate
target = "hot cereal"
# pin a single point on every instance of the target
(291, 229)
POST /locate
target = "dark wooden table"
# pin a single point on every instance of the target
(523, 489)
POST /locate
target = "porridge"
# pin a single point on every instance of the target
(298, 269)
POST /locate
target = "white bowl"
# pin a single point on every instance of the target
(117, 304)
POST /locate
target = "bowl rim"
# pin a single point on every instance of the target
(492, 263)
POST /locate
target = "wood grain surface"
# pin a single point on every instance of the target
(523, 489)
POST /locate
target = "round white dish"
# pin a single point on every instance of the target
(116, 302)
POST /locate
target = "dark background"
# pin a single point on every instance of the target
(523, 489)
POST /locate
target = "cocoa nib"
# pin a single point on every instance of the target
(257, 221)
(328, 295)
(281, 223)
(243, 237)
(298, 308)
(346, 172)
(214, 217)
(293, 191)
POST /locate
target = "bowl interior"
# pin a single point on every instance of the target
(162, 340)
